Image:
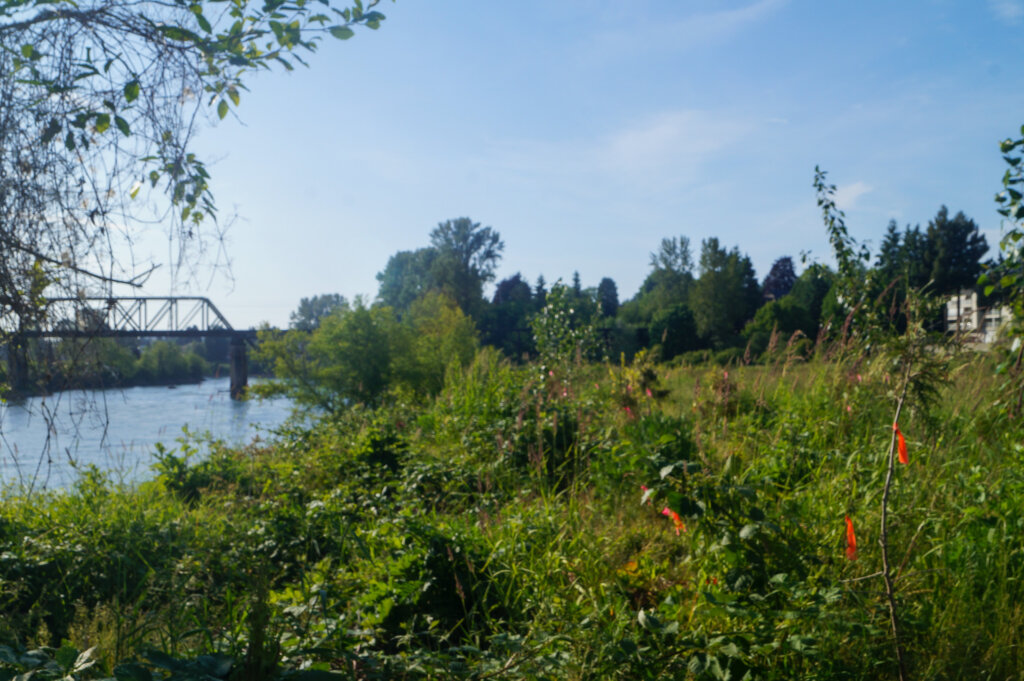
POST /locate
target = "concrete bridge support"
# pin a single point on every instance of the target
(239, 359)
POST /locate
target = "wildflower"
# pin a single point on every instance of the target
(551, 372)
(676, 520)
(726, 374)
(901, 444)
(849, 410)
(851, 540)
(629, 412)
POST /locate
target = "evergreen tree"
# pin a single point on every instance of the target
(780, 278)
(608, 297)
(955, 249)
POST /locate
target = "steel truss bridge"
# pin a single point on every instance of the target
(137, 317)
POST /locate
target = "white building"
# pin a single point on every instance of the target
(981, 324)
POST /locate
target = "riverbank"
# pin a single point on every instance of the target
(582, 524)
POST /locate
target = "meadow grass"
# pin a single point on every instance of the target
(521, 526)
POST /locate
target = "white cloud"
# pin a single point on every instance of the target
(664, 152)
(691, 31)
(676, 142)
(847, 195)
(1010, 11)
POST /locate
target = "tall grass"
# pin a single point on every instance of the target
(521, 526)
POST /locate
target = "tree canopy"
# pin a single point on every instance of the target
(100, 102)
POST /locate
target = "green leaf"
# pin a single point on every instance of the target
(66, 657)
(28, 51)
(222, 108)
(178, 33)
(51, 130)
(342, 32)
(69, 141)
(233, 94)
(204, 23)
(102, 122)
(131, 91)
(122, 125)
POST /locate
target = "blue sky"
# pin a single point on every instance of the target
(584, 131)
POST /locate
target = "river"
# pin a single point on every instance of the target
(45, 440)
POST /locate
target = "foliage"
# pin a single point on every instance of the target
(359, 354)
(608, 297)
(311, 310)
(725, 296)
(99, 104)
(1009, 275)
(780, 278)
(505, 323)
(563, 334)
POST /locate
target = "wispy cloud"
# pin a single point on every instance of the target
(691, 31)
(667, 151)
(677, 142)
(847, 195)
(1010, 11)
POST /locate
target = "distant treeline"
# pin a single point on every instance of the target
(122, 362)
(687, 307)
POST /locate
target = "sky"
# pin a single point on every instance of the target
(585, 131)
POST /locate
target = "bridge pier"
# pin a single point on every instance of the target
(239, 359)
(17, 364)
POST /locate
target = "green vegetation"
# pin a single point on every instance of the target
(514, 526)
(111, 363)
(820, 487)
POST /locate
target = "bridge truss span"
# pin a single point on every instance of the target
(150, 316)
(131, 317)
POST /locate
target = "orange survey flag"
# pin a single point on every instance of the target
(851, 540)
(901, 444)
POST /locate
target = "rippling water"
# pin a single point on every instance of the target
(44, 440)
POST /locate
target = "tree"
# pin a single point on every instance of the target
(311, 310)
(505, 323)
(467, 255)
(726, 295)
(608, 297)
(675, 331)
(406, 277)
(955, 249)
(673, 255)
(780, 278)
(99, 104)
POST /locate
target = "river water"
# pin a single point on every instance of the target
(44, 441)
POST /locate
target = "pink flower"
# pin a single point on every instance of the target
(726, 374)
(629, 412)
(551, 372)
(849, 410)
(649, 393)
